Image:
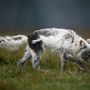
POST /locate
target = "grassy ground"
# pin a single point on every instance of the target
(49, 78)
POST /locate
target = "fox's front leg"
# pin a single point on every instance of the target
(63, 63)
(76, 60)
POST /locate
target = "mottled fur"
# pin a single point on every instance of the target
(65, 42)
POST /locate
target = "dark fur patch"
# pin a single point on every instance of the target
(68, 36)
(33, 36)
(85, 55)
(17, 38)
(82, 44)
(37, 46)
(42, 32)
(2, 41)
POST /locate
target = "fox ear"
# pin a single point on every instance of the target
(82, 44)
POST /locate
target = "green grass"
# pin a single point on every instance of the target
(49, 78)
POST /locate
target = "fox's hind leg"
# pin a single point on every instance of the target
(36, 59)
(27, 55)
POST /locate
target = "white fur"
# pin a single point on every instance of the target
(88, 40)
(56, 41)
(10, 44)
